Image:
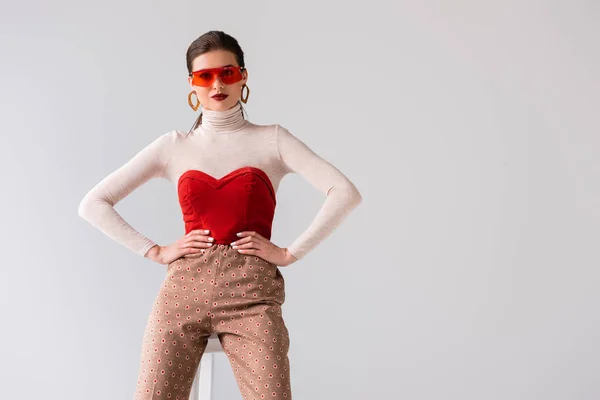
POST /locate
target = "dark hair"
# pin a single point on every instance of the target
(213, 40)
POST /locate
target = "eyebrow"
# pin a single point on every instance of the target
(222, 66)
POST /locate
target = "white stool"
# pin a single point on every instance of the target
(203, 381)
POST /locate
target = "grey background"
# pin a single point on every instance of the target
(470, 270)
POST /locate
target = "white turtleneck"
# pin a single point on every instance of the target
(223, 142)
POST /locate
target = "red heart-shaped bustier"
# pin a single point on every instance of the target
(242, 200)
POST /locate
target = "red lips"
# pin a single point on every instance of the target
(220, 96)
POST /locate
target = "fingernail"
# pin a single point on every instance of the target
(211, 239)
(239, 234)
(206, 231)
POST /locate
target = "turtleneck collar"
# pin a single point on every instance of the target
(223, 121)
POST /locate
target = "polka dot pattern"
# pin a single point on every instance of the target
(237, 296)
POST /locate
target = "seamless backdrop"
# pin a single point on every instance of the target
(470, 269)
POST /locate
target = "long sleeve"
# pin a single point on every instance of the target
(342, 196)
(97, 206)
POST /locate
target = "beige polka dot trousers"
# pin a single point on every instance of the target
(236, 296)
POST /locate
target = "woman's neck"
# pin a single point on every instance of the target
(223, 121)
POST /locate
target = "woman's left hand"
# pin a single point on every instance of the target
(253, 243)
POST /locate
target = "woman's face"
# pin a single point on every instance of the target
(215, 59)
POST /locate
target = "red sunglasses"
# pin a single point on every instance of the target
(228, 74)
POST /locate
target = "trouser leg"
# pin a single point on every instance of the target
(177, 331)
(250, 325)
(258, 352)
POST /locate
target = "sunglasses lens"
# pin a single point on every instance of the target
(203, 79)
(230, 75)
(227, 75)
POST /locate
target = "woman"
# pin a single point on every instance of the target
(222, 275)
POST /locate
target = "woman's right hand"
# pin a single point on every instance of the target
(191, 243)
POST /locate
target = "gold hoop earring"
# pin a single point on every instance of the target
(245, 98)
(194, 107)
